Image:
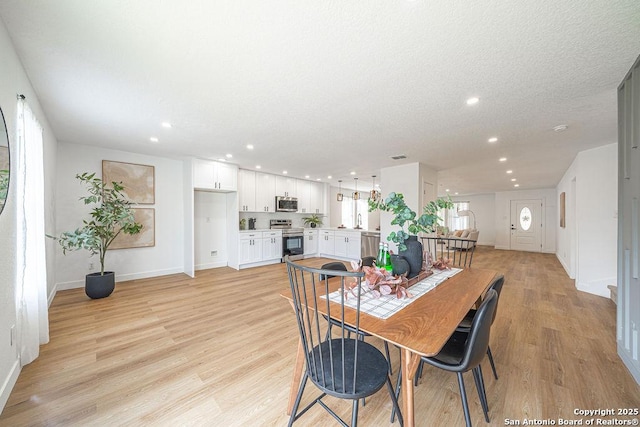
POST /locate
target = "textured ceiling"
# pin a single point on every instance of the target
(327, 87)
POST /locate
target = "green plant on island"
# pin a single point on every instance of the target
(407, 219)
(4, 183)
(111, 215)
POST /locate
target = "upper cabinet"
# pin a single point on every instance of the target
(316, 197)
(214, 176)
(265, 192)
(247, 190)
(286, 186)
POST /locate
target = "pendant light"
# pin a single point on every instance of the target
(340, 195)
(356, 195)
(374, 194)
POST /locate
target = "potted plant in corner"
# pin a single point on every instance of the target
(312, 221)
(407, 239)
(111, 215)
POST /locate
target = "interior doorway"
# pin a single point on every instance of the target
(526, 225)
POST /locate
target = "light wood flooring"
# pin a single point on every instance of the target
(218, 350)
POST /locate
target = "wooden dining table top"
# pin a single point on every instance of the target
(425, 325)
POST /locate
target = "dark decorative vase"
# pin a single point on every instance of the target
(400, 265)
(99, 286)
(413, 255)
(313, 225)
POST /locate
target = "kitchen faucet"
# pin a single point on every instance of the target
(358, 222)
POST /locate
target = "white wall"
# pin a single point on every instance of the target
(589, 241)
(549, 216)
(15, 81)
(483, 206)
(166, 257)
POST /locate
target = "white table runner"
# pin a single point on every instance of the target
(386, 306)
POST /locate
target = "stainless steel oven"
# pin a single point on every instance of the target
(292, 238)
(286, 204)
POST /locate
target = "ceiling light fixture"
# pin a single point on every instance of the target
(166, 125)
(229, 156)
(284, 172)
(249, 147)
(502, 159)
(473, 101)
(328, 176)
(352, 172)
(516, 185)
(258, 167)
(493, 139)
(355, 194)
(317, 179)
(339, 196)
(509, 171)
(560, 128)
(447, 190)
(306, 176)
(153, 139)
(513, 180)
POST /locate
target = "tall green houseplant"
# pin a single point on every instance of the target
(111, 215)
(407, 219)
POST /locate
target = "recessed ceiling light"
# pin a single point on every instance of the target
(473, 101)
(353, 172)
(317, 179)
(516, 185)
(258, 166)
(328, 176)
(249, 147)
(284, 172)
(447, 190)
(306, 176)
(166, 125)
(502, 159)
(509, 171)
(560, 128)
(229, 156)
(153, 139)
(456, 193)
(513, 179)
(222, 160)
(493, 139)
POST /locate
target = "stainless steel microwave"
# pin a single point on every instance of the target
(286, 204)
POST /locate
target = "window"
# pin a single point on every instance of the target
(455, 222)
(351, 210)
(525, 218)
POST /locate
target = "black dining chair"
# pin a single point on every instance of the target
(465, 325)
(464, 351)
(339, 366)
(338, 266)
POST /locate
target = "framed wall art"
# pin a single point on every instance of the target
(562, 210)
(138, 180)
(147, 236)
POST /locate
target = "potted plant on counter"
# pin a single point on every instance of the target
(410, 225)
(312, 221)
(111, 215)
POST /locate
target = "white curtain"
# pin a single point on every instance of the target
(31, 292)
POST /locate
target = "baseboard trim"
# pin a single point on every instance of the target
(75, 284)
(8, 384)
(210, 265)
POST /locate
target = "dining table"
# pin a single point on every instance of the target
(420, 328)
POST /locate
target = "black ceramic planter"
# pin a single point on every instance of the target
(413, 255)
(100, 286)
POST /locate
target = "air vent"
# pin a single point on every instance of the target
(398, 157)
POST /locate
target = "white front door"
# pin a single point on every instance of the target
(526, 225)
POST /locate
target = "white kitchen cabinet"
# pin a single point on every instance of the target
(286, 186)
(271, 245)
(247, 190)
(265, 192)
(310, 243)
(216, 176)
(316, 197)
(303, 188)
(250, 247)
(326, 244)
(347, 244)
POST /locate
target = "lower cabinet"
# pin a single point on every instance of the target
(310, 243)
(344, 245)
(259, 248)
